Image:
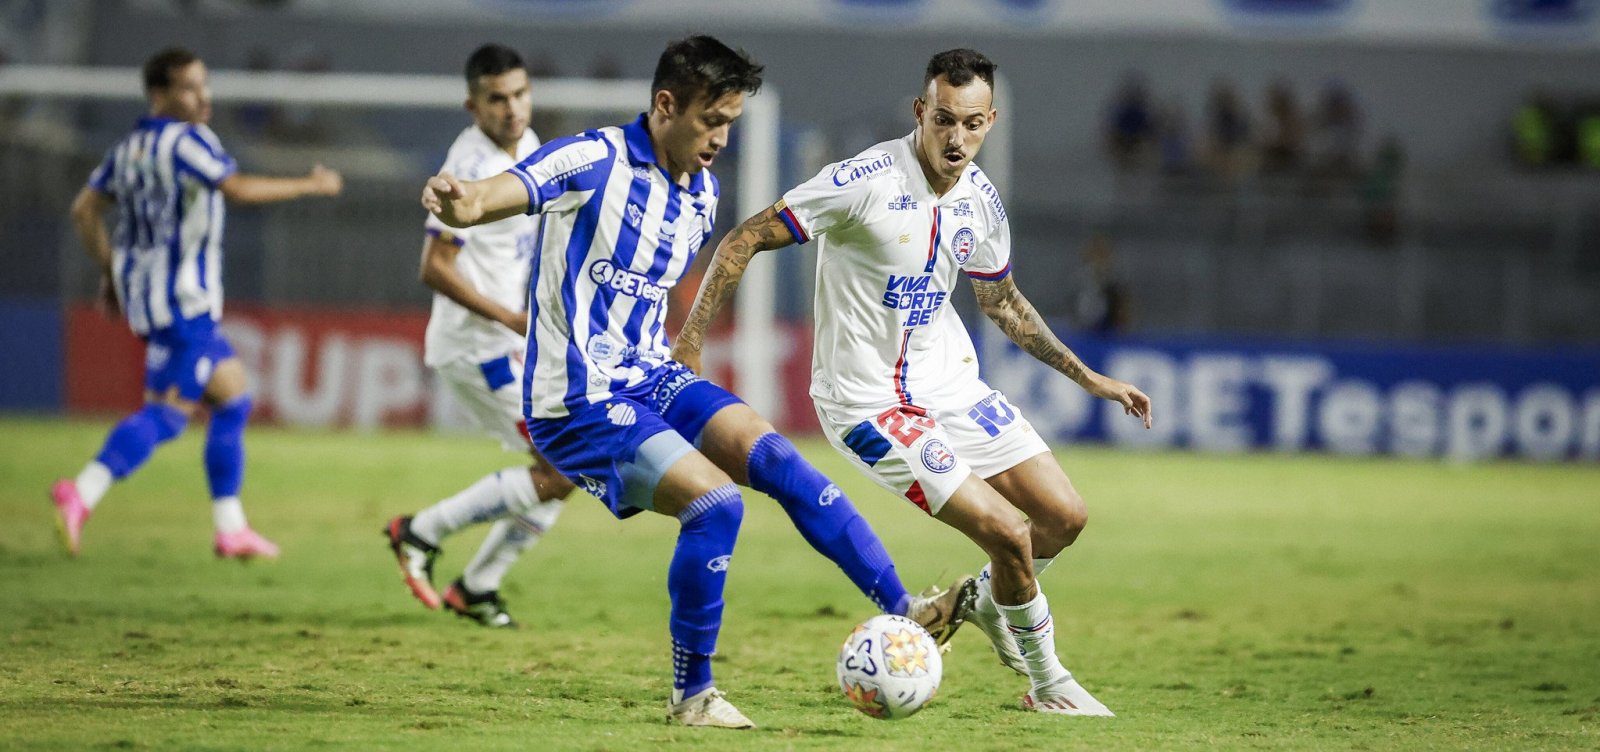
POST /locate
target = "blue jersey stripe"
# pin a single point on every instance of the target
(622, 254)
(583, 232)
(658, 266)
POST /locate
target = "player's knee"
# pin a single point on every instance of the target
(1007, 538)
(168, 421)
(1061, 525)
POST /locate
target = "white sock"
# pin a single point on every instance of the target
(93, 483)
(986, 602)
(1030, 624)
(488, 499)
(507, 540)
(228, 514)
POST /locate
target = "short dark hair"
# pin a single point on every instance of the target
(701, 66)
(492, 60)
(158, 69)
(959, 66)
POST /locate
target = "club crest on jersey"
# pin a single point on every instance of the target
(962, 245)
(720, 564)
(621, 414)
(902, 202)
(938, 457)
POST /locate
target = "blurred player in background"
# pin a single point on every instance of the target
(475, 338)
(163, 270)
(625, 210)
(894, 374)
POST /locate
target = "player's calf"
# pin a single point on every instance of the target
(826, 519)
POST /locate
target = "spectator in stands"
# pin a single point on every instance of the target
(1535, 131)
(1335, 145)
(1173, 141)
(1227, 132)
(1283, 138)
(1380, 193)
(1101, 304)
(1130, 125)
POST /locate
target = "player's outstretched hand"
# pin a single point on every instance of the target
(1133, 401)
(325, 181)
(439, 197)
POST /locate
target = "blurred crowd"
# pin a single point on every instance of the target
(1310, 145)
(1549, 131)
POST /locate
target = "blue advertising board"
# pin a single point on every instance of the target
(1463, 402)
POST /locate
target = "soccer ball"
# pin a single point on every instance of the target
(889, 667)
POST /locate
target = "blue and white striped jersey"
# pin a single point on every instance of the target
(167, 247)
(618, 233)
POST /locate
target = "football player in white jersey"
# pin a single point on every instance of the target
(475, 338)
(894, 373)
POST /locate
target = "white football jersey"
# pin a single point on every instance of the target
(889, 254)
(494, 259)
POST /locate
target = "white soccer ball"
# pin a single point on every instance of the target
(889, 667)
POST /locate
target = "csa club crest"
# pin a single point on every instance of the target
(962, 244)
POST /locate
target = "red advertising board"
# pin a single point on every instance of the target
(345, 368)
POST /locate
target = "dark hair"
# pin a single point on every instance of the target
(491, 60)
(700, 66)
(158, 69)
(959, 67)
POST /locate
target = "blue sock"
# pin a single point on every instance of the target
(695, 580)
(132, 441)
(225, 447)
(827, 520)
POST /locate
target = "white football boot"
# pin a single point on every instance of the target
(1066, 697)
(993, 623)
(709, 708)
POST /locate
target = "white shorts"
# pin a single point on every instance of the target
(925, 453)
(491, 393)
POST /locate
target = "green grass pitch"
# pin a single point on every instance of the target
(1239, 602)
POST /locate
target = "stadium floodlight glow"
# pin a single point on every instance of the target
(755, 358)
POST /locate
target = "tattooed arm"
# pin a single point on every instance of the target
(762, 232)
(1004, 304)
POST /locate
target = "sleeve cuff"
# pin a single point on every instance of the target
(793, 223)
(991, 276)
(527, 183)
(447, 236)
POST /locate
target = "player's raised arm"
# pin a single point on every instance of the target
(1005, 305)
(467, 203)
(240, 188)
(762, 232)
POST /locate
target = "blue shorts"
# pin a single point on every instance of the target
(185, 363)
(618, 449)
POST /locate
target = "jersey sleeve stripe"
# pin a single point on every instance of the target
(527, 183)
(991, 276)
(793, 223)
